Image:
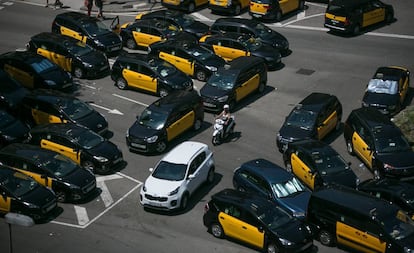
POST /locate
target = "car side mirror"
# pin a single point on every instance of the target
(191, 176)
(151, 170)
(260, 229)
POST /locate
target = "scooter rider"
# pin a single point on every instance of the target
(225, 116)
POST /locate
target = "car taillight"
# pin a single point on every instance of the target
(268, 7)
(251, 4)
(206, 208)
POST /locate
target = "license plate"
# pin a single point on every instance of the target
(136, 145)
(209, 105)
(256, 15)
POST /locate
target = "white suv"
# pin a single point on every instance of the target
(177, 175)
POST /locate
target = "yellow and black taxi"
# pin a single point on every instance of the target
(243, 76)
(153, 75)
(387, 90)
(35, 71)
(181, 20)
(274, 9)
(69, 181)
(378, 143)
(184, 5)
(45, 106)
(72, 55)
(20, 193)
(317, 115)
(317, 164)
(359, 222)
(12, 129)
(350, 16)
(144, 32)
(11, 92)
(230, 46)
(253, 28)
(89, 30)
(164, 120)
(396, 191)
(255, 221)
(80, 144)
(234, 7)
(191, 58)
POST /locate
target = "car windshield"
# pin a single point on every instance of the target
(87, 139)
(200, 53)
(383, 86)
(223, 80)
(75, 109)
(399, 227)
(288, 188)
(184, 20)
(153, 119)
(391, 144)
(273, 217)
(19, 184)
(170, 171)
(79, 49)
(329, 163)
(42, 66)
(96, 28)
(302, 119)
(163, 68)
(252, 44)
(6, 119)
(60, 166)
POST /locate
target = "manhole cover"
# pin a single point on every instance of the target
(306, 72)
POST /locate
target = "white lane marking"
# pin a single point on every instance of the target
(1, 8)
(301, 15)
(129, 99)
(8, 3)
(113, 111)
(308, 28)
(105, 194)
(126, 176)
(307, 17)
(200, 17)
(109, 177)
(316, 4)
(88, 86)
(82, 215)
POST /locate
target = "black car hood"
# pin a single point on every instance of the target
(407, 242)
(213, 60)
(141, 132)
(94, 121)
(344, 177)
(106, 149)
(16, 129)
(13, 98)
(58, 75)
(39, 196)
(213, 92)
(403, 159)
(108, 39)
(295, 133)
(380, 99)
(294, 231)
(197, 28)
(79, 177)
(94, 58)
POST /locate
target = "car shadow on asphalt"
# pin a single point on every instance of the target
(252, 98)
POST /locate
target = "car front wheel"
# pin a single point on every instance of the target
(272, 248)
(78, 72)
(201, 75)
(161, 146)
(121, 83)
(326, 238)
(61, 196)
(217, 230)
(130, 43)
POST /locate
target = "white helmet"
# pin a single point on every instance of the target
(226, 106)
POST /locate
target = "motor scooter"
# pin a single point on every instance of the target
(222, 132)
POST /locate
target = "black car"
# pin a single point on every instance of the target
(22, 194)
(317, 115)
(388, 89)
(191, 58)
(12, 129)
(317, 164)
(253, 28)
(149, 74)
(69, 181)
(233, 45)
(396, 191)
(80, 144)
(144, 32)
(379, 143)
(182, 20)
(72, 55)
(44, 106)
(11, 92)
(35, 71)
(89, 30)
(255, 221)
(164, 120)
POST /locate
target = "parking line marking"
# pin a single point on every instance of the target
(1, 7)
(109, 177)
(201, 17)
(82, 215)
(105, 194)
(129, 99)
(8, 3)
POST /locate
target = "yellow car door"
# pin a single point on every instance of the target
(231, 225)
(359, 240)
(327, 125)
(147, 78)
(131, 76)
(66, 151)
(41, 179)
(180, 125)
(41, 117)
(25, 78)
(362, 150)
(74, 34)
(302, 171)
(250, 234)
(247, 87)
(200, 2)
(288, 5)
(5, 203)
(185, 65)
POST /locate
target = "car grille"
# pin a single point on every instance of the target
(160, 199)
(49, 206)
(89, 187)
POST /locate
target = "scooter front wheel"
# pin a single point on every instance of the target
(215, 140)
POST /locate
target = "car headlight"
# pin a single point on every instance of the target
(100, 159)
(174, 192)
(299, 214)
(407, 250)
(211, 68)
(30, 205)
(50, 82)
(388, 166)
(152, 139)
(8, 137)
(364, 104)
(127, 133)
(71, 186)
(223, 99)
(285, 242)
(87, 65)
(278, 137)
(98, 43)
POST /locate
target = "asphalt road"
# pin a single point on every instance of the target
(115, 222)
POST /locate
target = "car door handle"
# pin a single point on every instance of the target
(243, 227)
(221, 217)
